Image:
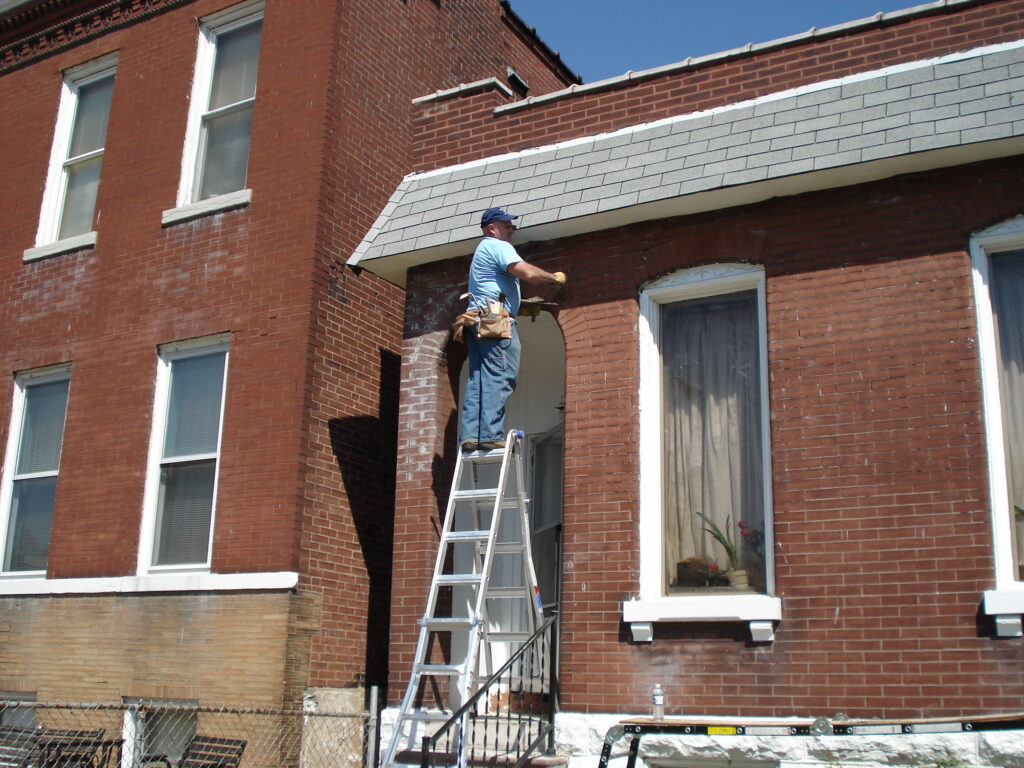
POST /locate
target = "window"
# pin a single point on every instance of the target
(185, 451)
(17, 711)
(217, 139)
(998, 260)
(69, 199)
(157, 728)
(33, 461)
(705, 539)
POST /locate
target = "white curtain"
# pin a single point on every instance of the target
(1007, 278)
(712, 429)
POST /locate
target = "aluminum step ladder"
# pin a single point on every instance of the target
(484, 562)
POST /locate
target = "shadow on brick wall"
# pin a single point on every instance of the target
(365, 448)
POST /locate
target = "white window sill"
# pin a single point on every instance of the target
(1007, 606)
(37, 584)
(206, 207)
(760, 611)
(76, 243)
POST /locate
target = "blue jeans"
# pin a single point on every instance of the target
(493, 368)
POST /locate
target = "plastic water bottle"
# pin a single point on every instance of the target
(657, 702)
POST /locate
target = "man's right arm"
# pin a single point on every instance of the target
(531, 274)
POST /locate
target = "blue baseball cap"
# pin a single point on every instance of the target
(495, 214)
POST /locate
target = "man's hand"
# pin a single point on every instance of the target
(560, 278)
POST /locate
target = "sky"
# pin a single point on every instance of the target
(606, 38)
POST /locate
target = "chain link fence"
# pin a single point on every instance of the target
(141, 734)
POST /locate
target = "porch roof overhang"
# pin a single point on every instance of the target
(934, 113)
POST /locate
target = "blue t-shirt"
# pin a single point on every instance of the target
(489, 276)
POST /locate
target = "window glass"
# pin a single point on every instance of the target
(712, 444)
(1007, 288)
(193, 419)
(34, 483)
(234, 71)
(43, 428)
(90, 129)
(226, 152)
(186, 508)
(17, 711)
(85, 156)
(188, 459)
(222, 162)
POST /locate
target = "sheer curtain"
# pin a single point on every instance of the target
(1007, 278)
(712, 431)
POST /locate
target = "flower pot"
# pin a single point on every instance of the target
(738, 578)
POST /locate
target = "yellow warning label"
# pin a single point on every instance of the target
(721, 730)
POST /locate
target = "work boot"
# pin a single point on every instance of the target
(470, 446)
(493, 445)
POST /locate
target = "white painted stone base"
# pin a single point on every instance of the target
(580, 739)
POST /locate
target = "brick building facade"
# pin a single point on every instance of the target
(834, 215)
(200, 409)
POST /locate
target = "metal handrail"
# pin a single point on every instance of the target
(461, 716)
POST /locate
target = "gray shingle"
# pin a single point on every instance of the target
(661, 192)
(914, 109)
(984, 76)
(748, 148)
(815, 149)
(887, 96)
(910, 76)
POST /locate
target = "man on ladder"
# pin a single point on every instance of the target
(494, 277)
(486, 515)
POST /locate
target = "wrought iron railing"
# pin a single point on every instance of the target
(508, 718)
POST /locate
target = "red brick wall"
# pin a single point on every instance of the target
(741, 77)
(384, 55)
(307, 465)
(879, 469)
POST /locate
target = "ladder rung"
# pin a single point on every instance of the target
(484, 457)
(507, 637)
(476, 494)
(440, 669)
(509, 548)
(468, 535)
(450, 579)
(428, 717)
(506, 593)
(446, 623)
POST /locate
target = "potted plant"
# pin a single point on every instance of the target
(736, 575)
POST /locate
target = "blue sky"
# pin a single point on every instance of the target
(605, 38)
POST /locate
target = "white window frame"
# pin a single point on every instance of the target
(22, 383)
(210, 27)
(169, 353)
(652, 604)
(1006, 601)
(47, 242)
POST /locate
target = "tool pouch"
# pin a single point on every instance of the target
(491, 319)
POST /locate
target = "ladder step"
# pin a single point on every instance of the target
(439, 669)
(484, 457)
(455, 579)
(476, 494)
(428, 717)
(509, 593)
(447, 623)
(468, 535)
(508, 637)
(509, 548)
